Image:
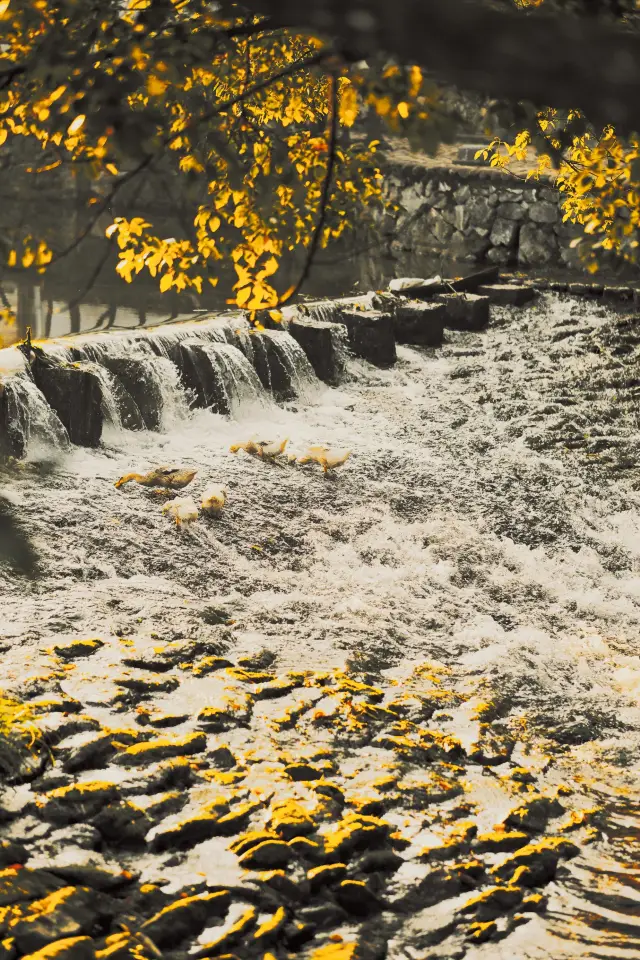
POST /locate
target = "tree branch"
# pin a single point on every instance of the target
(324, 197)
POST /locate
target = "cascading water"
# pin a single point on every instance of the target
(237, 383)
(29, 419)
(487, 523)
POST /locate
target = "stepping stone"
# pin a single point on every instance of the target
(324, 344)
(370, 334)
(419, 323)
(507, 294)
(465, 311)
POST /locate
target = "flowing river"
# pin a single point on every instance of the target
(479, 551)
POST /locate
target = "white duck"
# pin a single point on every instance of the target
(182, 510)
(213, 500)
(328, 458)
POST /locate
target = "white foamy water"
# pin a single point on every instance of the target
(489, 519)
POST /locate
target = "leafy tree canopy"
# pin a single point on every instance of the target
(249, 120)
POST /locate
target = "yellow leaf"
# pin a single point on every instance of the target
(111, 167)
(403, 109)
(76, 124)
(4, 6)
(28, 258)
(155, 86)
(276, 315)
(243, 296)
(165, 282)
(13, 258)
(109, 232)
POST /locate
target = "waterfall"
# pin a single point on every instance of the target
(27, 417)
(289, 373)
(220, 376)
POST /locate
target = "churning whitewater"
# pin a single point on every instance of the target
(487, 524)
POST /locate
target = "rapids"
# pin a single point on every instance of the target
(488, 520)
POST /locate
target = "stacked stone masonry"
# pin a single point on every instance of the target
(482, 216)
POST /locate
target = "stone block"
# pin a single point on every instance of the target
(419, 323)
(139, 382)
(543, 211)
(618, 293)
(512, 210)
(324, 344)
(465, 311)
(580, 289)
(500, 255)
(370, 335)
(480, 211)
(507, 294)
(536, 246)
(504, 232)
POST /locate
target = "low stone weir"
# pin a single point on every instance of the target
(66, 391)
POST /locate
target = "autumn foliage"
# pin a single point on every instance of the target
(250, 122)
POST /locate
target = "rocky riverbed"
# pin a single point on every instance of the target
(390, 714)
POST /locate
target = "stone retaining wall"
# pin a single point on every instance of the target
(479, 215)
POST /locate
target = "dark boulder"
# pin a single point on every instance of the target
(324, 344)
(370, 335)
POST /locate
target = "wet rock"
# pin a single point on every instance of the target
(501, 841)
(155, 664)
(271, 691)
(286, 888)
(11, 853)
(290, 819)
(326, 875)
(419, 323)
(303, 772)
(374, 861)
(146, 687)
(535, 864)
(70, 948)
(75, 393)
(78, 648)
(535, 813)
(492, 903)
(222, 758)
(507, 294)
(170, 775)
(268, 932)
(17, 886)
(221, 719)
(370, 335)
(482, 932)
(230, 937)
(323, 915)
(99, 751)
(186, 834)
(186, 917)
(122, 824)
(355, 897)
(268, 855)
(296, 934)
(161, 721)
(325, 346)
(77, 802)
(151, 751)
(139, 382)
(68, 912)
(55, 728)
(306, 849)
(105, 877)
